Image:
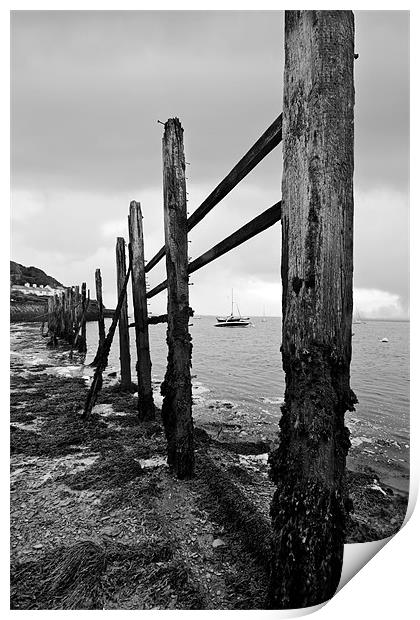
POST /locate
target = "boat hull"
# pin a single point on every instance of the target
(232, 324)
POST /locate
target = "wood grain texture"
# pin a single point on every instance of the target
(176, 387)
(123, 320)
(309, 507)
(146, 407)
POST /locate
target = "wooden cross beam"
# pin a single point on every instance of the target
(262, 147)
(251, 229)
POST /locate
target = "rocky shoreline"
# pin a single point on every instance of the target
(99, 522)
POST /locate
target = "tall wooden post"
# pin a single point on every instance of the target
(53, 321)
(146, 405)
(55, 314)
(88, 303)
(67, 313)
(97, 382)
(123, 321)
(176, 388)
(81, 343)
(71, 316)
(76, 305)
(62, 298)
(50, 302)
(64, 313)
(309, 506)
(101, 320)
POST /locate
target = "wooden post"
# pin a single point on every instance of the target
(96, 384)
(81, 340)
(101, 320)
(71, 316)
(52, 320)
(146, 405)
(76, 317)
(176, 387)
(76, 307)
(123, 322)
(50, 302)
(62, 315)
(55, 320)
(309, 506)
(83, 326)
(67, 314)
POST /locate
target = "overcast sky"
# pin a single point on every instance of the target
(87, 91)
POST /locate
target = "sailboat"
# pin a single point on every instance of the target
(263, 320)
(357, 320)
(232, 320)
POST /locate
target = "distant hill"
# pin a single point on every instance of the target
(25, 306)
(19, 274)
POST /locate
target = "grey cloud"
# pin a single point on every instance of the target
(98, 83)
(88, 88)
(382, 99)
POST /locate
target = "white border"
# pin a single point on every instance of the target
(387, 586)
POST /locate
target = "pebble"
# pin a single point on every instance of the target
(218, 542)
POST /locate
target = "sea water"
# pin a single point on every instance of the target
(243, 366)
(241, 369)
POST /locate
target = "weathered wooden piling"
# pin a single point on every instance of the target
(61, 329)
(123, 321)
(176, 387)
(54, 322)
(77, 309)
(101, 320)
(96, 384)
(50, 309)
(71, 315)
(68, 315)
(81, 339)
(64, 305)
(310, 504)
(146, 407)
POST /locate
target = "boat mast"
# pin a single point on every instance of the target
(231, 313)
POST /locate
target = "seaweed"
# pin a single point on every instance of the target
(112, 470)
(85, 575)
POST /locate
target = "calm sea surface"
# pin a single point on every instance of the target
(243, 366)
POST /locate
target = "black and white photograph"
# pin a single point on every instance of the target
(209, 304)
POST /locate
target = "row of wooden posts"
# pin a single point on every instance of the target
(67, 317)
(176, 387)
(309, 507)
